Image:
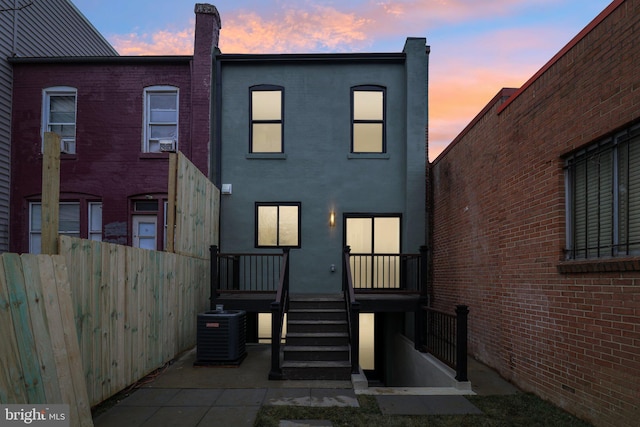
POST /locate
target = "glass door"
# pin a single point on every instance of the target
(375, 249)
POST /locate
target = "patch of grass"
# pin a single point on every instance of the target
(521, 409)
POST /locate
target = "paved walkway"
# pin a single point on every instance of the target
(188, 396)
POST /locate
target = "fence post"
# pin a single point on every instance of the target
(213, 280)
(462, 314)
(50, 202)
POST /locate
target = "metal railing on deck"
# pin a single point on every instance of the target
(445, 336)
(389, 272)
(244, 272)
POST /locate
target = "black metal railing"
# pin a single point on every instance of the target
(445, 336)
(278, 309)
(353, 312)
(389, 272)
(244, 272)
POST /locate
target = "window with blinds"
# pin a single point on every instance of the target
(603, 198)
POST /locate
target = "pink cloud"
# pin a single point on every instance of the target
(163, 42)
(461, 83)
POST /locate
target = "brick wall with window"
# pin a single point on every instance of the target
(535, 226)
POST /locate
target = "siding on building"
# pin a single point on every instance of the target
(499, 230)
(44, 28)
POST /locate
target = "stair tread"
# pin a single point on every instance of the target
(317, 364)
(317, 310)
(316, 321)
(317, 334)
(316, 348)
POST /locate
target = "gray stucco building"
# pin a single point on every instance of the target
(299, 139)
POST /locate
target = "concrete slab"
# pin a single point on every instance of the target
(242, 397)
(236, 416)
(184, 416)
(417, 391)
(131, 416)
(195, 397)
(288, 397)
(426, 405)
(333, 397)
(305, 423)
(252, 373)
(485, 381)
(149, 397)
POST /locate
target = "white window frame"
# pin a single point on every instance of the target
(94, 233)
(67, 144)
(32, 247)
(149, 144)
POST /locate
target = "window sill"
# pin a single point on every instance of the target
(600, 265)
(379, 156)
(266, 156)
(164, 155)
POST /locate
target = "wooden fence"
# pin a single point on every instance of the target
(40, 358)
(193, 209)
(135, 309)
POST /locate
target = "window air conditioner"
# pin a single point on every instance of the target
(167, 145)
(68, 146)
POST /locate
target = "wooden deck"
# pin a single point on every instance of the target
(370, 302)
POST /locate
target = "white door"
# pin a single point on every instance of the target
(145, 229)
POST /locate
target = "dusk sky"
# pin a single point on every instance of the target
(477, 46)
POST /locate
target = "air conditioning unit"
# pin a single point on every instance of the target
(221, 338)
(68, 146)
(167, 145)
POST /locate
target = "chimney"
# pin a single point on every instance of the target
(208, 27)
(207, 35)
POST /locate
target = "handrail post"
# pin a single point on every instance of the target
(419, 325)
(423, 284)
(276, 371)
(355, 337)
(346, 251)
(285, 254)
(214, 279)
(462, 315)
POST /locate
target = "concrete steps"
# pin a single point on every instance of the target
(317, 340)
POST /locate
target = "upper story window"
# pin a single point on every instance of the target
(266, 109)
(59, 116)
(603, 198)
(160, 119)
(368, 119)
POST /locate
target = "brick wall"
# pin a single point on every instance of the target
(499, 231)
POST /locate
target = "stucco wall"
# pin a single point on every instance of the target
(318, 170)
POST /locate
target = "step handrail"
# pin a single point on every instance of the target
(353, 311)
(278, 308)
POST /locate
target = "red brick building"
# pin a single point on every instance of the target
(536, 225)
(118, 118)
